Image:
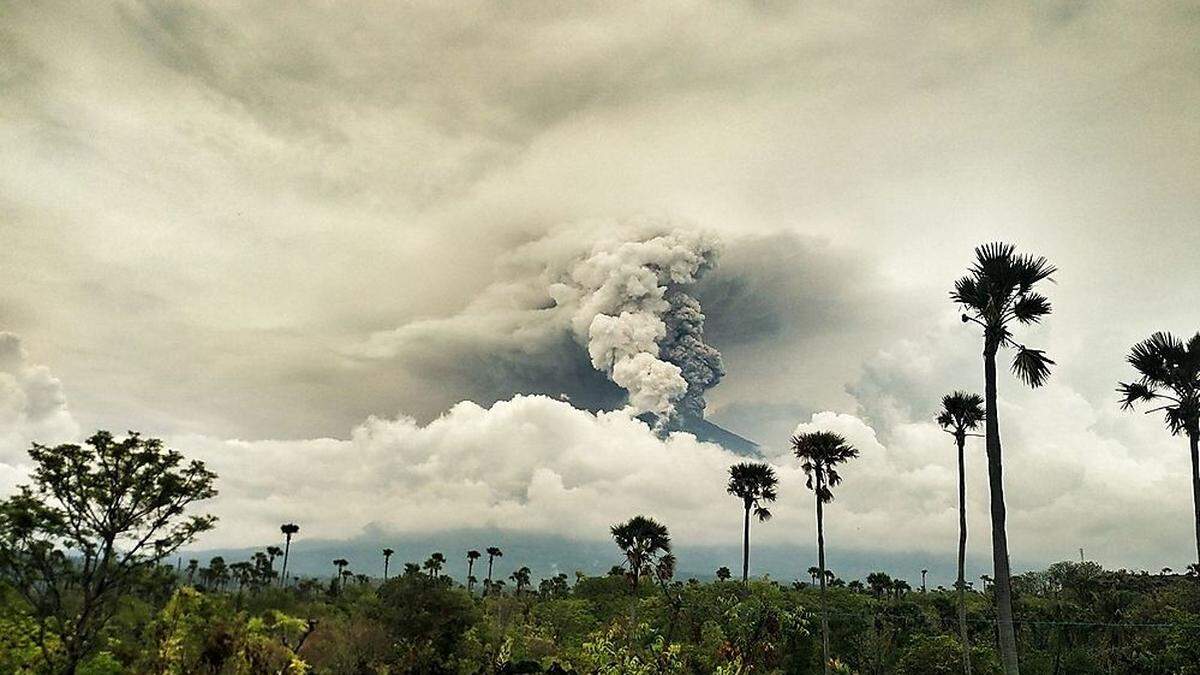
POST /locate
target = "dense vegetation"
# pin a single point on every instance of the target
(1072, 618)
(85, 588)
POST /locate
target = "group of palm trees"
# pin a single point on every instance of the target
(998, 293)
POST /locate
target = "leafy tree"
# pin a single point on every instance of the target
(754, 484)
(820, 453)
(998, 290)
(961, 414)
(95, 518)
(723, 573)
(1169, 374)
(288, 529)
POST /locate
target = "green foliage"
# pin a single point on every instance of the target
(93, 524)
(943, 655)
(426, 618)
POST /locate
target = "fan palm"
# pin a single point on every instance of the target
(340, 564)
(961, 414)
(472, 556)
(820, 453)
(521, 579)
(1169, 374)
(998, 291)
(755, 485)
(288, 529)
(643, 541)
(387, 557)
(492, 554)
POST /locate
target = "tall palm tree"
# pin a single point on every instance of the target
(998, 290)
(1169, 374)
(820, 453)
(340, 564)
(644, 542)
(288, 529)
(813, 572)
(387, 557)
(492, 553)
(961, 414)
(472, 556)
(754, 484)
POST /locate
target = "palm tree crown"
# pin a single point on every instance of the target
(820, 452)
(997, 290)
(755, 485)
(1169, 373)
(961, 412)
(643, 541)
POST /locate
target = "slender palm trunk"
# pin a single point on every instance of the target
(821, 568)
(961, 585)
(1001, 574)
(489, 578)
(1194, 440)
(287, 546)
(746, 547)
(470, 573)
(385, 567)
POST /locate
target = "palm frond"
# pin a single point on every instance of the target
(1032, 366)
(1030, 269)
(1157, 357)
(1134, 392)
(1031, 307)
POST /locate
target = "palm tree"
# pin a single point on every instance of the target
(438, 561)
(340, 564)
(273, 552)
(192, 566)
(723, 573)
(997, 291)
(492, 553)
(820, 453)
(1169, 374)
(923, 587)
(472, 556)
(387, 557)
(521, 579)
(288, 529)
(813, 572)
(644, 542)
(754, 484)
(961, 414)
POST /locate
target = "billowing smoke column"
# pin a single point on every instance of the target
(640, 326)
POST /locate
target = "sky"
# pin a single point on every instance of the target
(347, 254)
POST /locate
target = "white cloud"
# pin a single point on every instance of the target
(33, 408)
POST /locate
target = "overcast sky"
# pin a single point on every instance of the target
(212, 216)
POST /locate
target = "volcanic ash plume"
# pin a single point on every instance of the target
(632, 312)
